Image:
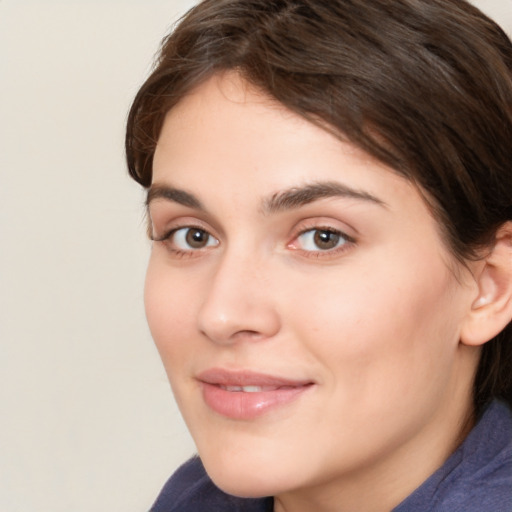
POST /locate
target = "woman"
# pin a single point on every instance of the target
(330, 284)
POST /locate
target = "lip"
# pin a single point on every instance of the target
(245, 395)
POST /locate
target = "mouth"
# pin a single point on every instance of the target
(252, 389)
(244, 395)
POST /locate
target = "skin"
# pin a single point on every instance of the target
(374, 322)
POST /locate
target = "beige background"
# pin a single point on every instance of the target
(87, 419)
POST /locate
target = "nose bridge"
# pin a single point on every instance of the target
(238, 303)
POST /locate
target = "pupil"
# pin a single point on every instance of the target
(326, 239)
(196, 238)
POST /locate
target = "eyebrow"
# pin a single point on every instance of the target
(289, 199)
(175, 195)
(299, 196)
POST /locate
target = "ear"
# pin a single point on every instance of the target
(491, 311)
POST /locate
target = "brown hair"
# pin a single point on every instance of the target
(425, 86)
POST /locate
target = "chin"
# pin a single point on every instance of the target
(246, 478)
(247, 484)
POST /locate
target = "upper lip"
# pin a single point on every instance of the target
(224, 377)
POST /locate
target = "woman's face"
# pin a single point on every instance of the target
(302, 302)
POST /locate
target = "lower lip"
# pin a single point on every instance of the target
(241, 405)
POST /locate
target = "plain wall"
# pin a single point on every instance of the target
(87, 418)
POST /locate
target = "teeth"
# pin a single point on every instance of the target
(232, 388)
(243, 389)
(251, 389)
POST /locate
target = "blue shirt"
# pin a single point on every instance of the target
(477, 477)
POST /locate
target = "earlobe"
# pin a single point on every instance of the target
(491, 311)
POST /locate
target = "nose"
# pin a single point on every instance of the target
(239, 302)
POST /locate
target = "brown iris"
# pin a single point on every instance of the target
(197, 238)
(326, 239)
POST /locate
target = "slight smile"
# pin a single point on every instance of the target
(245, 395)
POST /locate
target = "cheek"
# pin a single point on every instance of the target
(168, 310)
(396, 330)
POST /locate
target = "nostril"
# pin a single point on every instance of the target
(249, 334)
(224, 337)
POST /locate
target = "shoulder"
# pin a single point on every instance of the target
(478, 476)
(191, 490)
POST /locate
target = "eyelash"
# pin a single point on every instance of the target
(167, 239)
(347, 242)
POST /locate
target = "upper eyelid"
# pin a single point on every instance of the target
(169, 232)
(322, 228)
(349, 240)
(185, 221)
(189, 218)
(338, 231)
(327, 224)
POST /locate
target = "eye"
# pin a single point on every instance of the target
(320, 240)
(186, 239)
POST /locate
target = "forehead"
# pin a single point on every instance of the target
(226, 122)
(227, 106)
